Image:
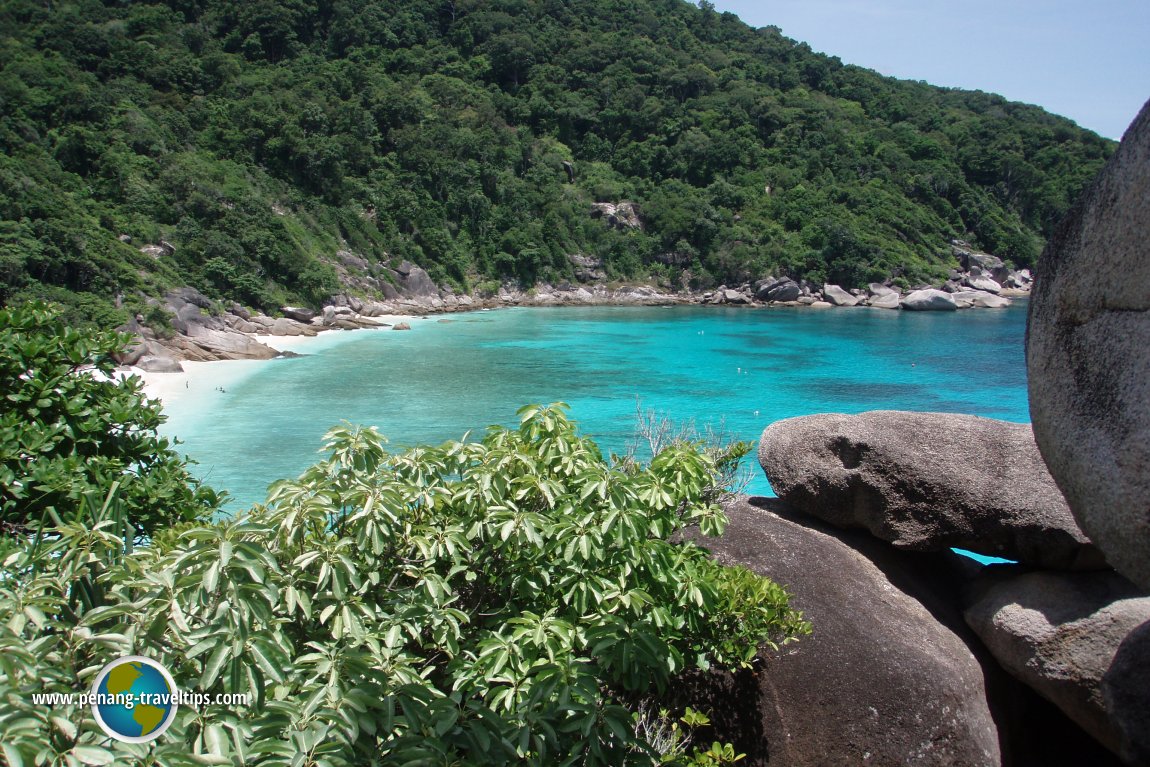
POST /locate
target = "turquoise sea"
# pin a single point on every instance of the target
(738, 368)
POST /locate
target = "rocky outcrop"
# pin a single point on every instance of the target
(214, 344)
(202, 335)
(833, 294)
(980, 281)
(159, 250)
(1126, 694)
(966, 299)
(927, 482)
(415, 281)
(972, 259)
(881, 680)
(1088, 356)
(587, 268)
(297, 313)
(928, 300)
(887, 301)
(784, 289)
(1059, 633)
(875, 289)
(618, 215)
(159, 365)
(735, 297)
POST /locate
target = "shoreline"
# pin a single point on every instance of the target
(197, 375)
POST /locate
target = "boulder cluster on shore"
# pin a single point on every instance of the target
(202, 329)
(983, 282)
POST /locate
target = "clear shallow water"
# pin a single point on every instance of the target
(742, 368)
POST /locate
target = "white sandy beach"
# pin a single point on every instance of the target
(200, 379)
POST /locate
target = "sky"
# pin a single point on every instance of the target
(1088, 60)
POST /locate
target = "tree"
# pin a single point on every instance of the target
(70, 432)
(512, 600)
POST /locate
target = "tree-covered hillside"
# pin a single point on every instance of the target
(259, 138)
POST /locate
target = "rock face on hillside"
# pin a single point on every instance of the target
(618, 215)
(1088, 356)
(1059, 633)
(880, 681)
(927, 482)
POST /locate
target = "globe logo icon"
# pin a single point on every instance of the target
(135, 699)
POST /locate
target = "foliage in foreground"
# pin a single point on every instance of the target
(69, 431)
(509, 600)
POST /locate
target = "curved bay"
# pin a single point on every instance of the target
(744, 368)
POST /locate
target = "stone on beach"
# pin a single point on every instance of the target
(220, 344)
(979, 299)
(159, 365)
(928, 300)
(297, 313)
(927, 482)
(885, 301)
(837, 296)
(982, 282)
(780, 290)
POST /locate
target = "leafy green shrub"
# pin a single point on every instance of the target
(69, 430)
(475, 603)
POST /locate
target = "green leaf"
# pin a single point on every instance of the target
(212, 668)
(93, 755)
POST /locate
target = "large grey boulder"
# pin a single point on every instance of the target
(973, 259)
(839, 297)
(1088, 356)
(415, 281)
(878, 289)
(131, 353)
(1059, 633)
(783, 290)
(226, 345)
(286, 327)
(187, 295)
(298, 313)
(982, 282)
(160, 365)
(734, 297)
(621, 215)
(927, 482)
(885, 301)
(1126, 693)
(880, 680)
(929, 300)
(979, 299)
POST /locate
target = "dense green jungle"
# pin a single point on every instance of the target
(251, 142)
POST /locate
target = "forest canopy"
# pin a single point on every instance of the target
(258, 139)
